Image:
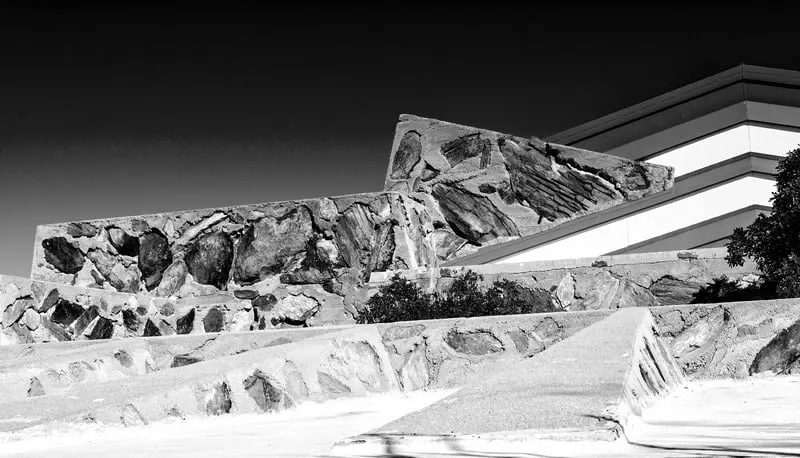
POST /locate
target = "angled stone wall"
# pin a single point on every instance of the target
(492, 187)
(631, 280)
(296, 263)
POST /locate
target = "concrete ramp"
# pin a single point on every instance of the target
(586, 387)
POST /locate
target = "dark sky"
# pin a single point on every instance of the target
(131, 110)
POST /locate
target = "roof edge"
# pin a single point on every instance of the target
(740, 73)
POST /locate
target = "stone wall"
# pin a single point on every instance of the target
(445, 353)
(34, 311)
(630, 280)
(296, 263)
(722, 340)
(491, 187)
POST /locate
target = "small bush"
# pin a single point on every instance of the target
(723, 289)
(508, 297)
(400, 300)
(403, 300)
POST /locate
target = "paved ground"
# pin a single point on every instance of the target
(754, 417)
(306, 431)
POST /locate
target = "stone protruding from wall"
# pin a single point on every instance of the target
(607, 282)
(297, 263)
(493, 187)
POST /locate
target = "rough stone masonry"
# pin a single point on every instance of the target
(492, 187)
(450, 189)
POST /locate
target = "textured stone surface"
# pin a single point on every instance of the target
(312, 257)
(444, 353)
(625, 281)
(33, 311)
(492, 187)
(732, 339)
(781, 353)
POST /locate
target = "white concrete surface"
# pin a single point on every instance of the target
(726, 145)
(309, 430)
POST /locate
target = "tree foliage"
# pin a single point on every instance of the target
(773, 241)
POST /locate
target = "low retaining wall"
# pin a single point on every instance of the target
(445, 353)
(630, 280)
(34, 311)
(722, 340)
(36, 370)
(349, 362)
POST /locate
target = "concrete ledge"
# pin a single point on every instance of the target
(56, 368)
(345, 363)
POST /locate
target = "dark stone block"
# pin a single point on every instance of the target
(154, 257)
(263, 392)
(214, 321)
(245, 294)
(185, 324)
(471, 216)
(63, 255)
(81, 229)
(150, 329)
(52, 299)
(472, 145)
(65, 312)
(780, 354)
(55, 330)
(210, 258)
(124, 358)
(85, 320)
(672, 291)
(473, 342)
(265, 303)
(272, 243)
(407, 155)
(124, 243)
(220, 402)
(103, 329)
(184, 360)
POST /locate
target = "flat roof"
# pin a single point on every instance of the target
(738, 77)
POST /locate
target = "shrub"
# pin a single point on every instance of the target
(399, 300)
(507, 297)
(402, 300)
(464, 298)
(773, 241)
(723, 289)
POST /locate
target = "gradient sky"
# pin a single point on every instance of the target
(121, 111)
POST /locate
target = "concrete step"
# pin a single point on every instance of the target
(342, 363)
(41, 369)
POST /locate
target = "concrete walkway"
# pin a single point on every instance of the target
(578, 386)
